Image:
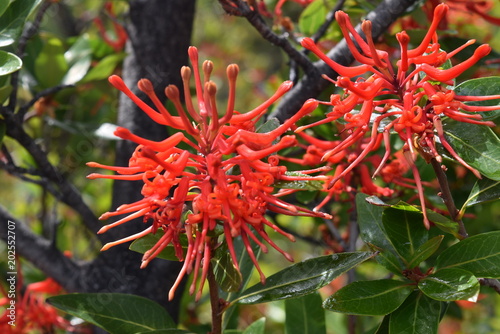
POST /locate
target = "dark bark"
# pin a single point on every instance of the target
(312, 84)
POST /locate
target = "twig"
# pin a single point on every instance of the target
(46, 92)
(214, 302)
(492, 283)
(448, 198)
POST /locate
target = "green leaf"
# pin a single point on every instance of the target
(450, 284)
(142, 245)
(314, 16)
(300, 184)
(379, 297)
(476, 144)
(445, 224)
(3, 130)
(9, 63)
(226, 274)
(13, 18)
(4, 5)
(270, 125)
(79, 58)
(304, 315)
(481, 87)
(418, 314)
(256, 327)
(423, 252)
(166, 331)
(479, 254)
(115, 312)
(5, 92)
(404, 228)
(303, 278)
(104, 68)
(483, 191)
(50, 65)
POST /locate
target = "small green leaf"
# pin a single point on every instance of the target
(115, 312)
(482, 87)
(418, 314)
(79, 58)
(476, 144)
(450, 284)
(9, 63)
(271, 124)
(166, 331)
(479, 254)
(50, 65)
(304, 315)
(423, 252)
(300, 184)
(13, 18)
(372, 230)
(256, 327)
(104, 68)
(303, 278)
(226, 274)
(5, 92)
(379, 297)
(142, 245)
(483, 191)
(445, 224)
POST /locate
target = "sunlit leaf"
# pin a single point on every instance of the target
(300, 184)
(226, 274)
(482, 87)
(418, 314)
(450, 284)
(9, 63)
(142, 245)
(13, 19)
(256, 327)
(483, 191)
(104, 68)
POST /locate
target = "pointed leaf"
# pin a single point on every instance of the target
(257, 327)
(226, 274)
(418, 314)
(13, 18)
(450, 284)
(304, 315)
(479, 254)
(9, 63)
(481, 87)
(104, 68)
(404, 228)
(424, 251)
(483, 191)
(445, 224)
(115, 312)
(142, 245)
(303, 278)
(379, 297)
(478, 145)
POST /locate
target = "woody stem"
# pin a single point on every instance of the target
(447, 197)
(214, 301)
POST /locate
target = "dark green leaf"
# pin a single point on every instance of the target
(304, 315)
(5, 93)
(476, 144)
(450, 284)
(3, 129)
(9, 63)
(445, 224)
(383, 328)
(379, 297)
(226, 274)
(3, 6)
(50, 65)
(104, 68)
(166, 331)
(423, 252)
(303, 278)
(390, 261)
(13, 18)
(417, 315)
(479, 254)
(268, 126)
(115, 312)
(256, 327)
(483, 191)
(405, 229)
(142, 245)
(482, 87)
(300, 184)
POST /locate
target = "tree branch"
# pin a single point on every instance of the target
(312, 84)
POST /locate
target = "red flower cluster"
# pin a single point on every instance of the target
(409, 98)
(227, 180)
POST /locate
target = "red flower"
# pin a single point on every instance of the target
(411, 97)
(227, 180)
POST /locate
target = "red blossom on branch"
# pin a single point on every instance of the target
(226, 181)
(410, 98)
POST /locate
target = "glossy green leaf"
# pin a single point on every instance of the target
(13, 19)
(418, 314)
(445, 224)
(142, 245)
(303, 278)
(479, 254)
(166, 331)
(115, 312)
(3, 6)
(483, 191)
(300, 184)
(304, 315)
(383, 327)
(9, 63)
(476, 144)
(482, 87)
(50, 65)
(256, 327)
(104, 68)
(79, 58)
(379, 297)
(405, 229)
(423, 252)
(226, 274)
(313, 17)
(450, 284)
